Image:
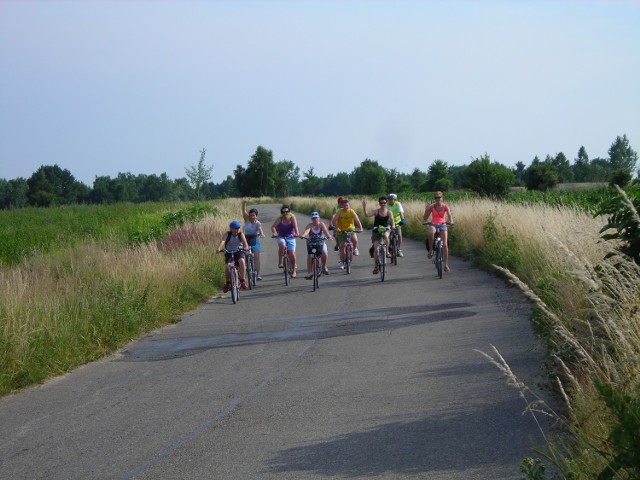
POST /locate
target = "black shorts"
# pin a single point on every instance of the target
(236, 256)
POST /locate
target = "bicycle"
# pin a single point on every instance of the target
(393, 245)
(285, 262)
(252, 275)
(438, 246)
(234, 276)
(348, 250)
(382, 251)
(315, 244)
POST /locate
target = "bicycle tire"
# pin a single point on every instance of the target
(316, 271)
(393, 248)
(234, 285)
(285, 268)
(439, 259)
(250, 272)
(347, 258)
(382, 262)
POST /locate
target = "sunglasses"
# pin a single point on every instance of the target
(437, 198)
(382, 203)
(284, 211)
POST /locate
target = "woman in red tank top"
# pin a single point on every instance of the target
(439, 212)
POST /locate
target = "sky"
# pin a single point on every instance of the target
(103, 87)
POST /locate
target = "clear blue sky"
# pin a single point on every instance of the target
(102, 87)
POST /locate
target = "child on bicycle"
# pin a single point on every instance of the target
(235, 242)
(439, 212)
(345, 220)
(315, 229)
(382, 218)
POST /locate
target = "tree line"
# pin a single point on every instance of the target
(263, 176)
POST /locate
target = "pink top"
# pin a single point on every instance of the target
(439, 217)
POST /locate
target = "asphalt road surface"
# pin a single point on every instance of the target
(360, 379)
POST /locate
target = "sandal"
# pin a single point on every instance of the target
(430, 255)
(446, 269)
(375, 271)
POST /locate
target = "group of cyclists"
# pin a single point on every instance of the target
(344, 222)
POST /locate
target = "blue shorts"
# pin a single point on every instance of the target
(289, 241)
(255, 248)
(443, 226)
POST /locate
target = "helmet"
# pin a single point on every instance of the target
(234, 224)
(392, 195)
(315, 215)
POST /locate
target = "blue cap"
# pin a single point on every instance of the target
(234, 224)
(315, 215)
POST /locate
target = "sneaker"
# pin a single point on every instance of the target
(309, 277)
(227, 287)
(258, 277)
(356, 252)
(335, 249)
(325, 271)
(341, 266)
(400, 254)
(243, 285)
(375, 270)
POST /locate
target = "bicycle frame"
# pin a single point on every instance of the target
(348, 250)
(316, 244)
(234, 276)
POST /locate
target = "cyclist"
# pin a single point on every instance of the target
(315, 229)
(398, 216)
(382, 218)
(345, 220)
(253, 231)
(439, 212)
(331, 226)
(234, 241)
(285, 228)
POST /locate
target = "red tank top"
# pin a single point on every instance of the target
(439, 217)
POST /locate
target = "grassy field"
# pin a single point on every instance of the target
(97, 288)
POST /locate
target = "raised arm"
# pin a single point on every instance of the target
(427, 212)
(245, 215)
(364, 209)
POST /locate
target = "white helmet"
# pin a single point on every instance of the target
(392, 195)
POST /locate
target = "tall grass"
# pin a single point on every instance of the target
(81, 302)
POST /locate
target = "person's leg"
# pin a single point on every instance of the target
(256, 262)
(281, 249)
(399, 231)
(386, 247)
(354, 240)
(445, 249)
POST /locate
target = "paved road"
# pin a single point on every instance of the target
(360, 379)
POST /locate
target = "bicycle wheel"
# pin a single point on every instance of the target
(439, 259)
(251, 272)
(348, 257)
(316, 271)
(393, 249)
(234, 285)
(285, 268)
(382, 262)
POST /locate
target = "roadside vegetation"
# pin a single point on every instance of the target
(83, 281)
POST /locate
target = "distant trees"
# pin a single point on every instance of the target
(488, 178)
(262, 176)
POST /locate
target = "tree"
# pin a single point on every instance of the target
(438, 177)
(542, 176)
(199, 174)
(487, 178)
(336, 185)
(563, 167)
(286, 178)
(51, 185)
(369, 178)
(418, 179)
(311, 183)
(622, 156)
(519, 172)
(581, 167)
(258, 178)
